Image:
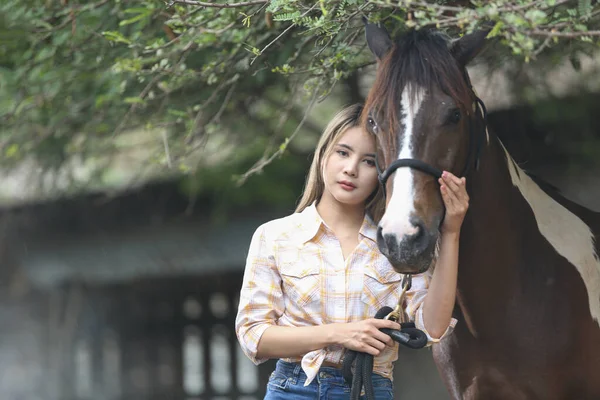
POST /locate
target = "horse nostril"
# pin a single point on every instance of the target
(413, 239)
(386, 243)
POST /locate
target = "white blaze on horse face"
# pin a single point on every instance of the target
(565, 231)
(396, 219)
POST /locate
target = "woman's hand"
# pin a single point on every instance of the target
(456, 199)
(364, 336)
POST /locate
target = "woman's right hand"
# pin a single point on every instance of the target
(364, 336)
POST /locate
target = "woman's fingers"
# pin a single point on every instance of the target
(383, 338)
(384, 323)
(456, 188)
(365, 336)
(462, 189)
(370, 350)
(453, 177)
(447, 196)
(376, 338)
(370, 344)
(456, 199)
(456, 185)
(376, 343)
(451, 183)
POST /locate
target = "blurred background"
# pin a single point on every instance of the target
(142, 143)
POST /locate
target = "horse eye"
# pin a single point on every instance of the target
(373, 124)
(455, 116)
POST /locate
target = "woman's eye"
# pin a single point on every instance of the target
(370, 162)
(342, 153)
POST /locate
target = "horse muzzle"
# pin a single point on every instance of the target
(410, 254)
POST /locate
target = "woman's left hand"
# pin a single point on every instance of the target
(456, 199)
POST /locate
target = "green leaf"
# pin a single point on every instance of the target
(142, 13)
(584, 7)
(284, 145)
(496, 29)
(286, 16)
(116, 37)
(134, 100)
(323, 9)
(177, 113)
(23, 105)
(138, 10)
(537, 17)
(12, 151)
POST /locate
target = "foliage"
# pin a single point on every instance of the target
(76, 75)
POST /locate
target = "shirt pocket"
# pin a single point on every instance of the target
(382, 286)
(301, 278)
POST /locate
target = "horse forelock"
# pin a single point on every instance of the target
(419, 60)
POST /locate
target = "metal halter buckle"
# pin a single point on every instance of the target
(397, 315)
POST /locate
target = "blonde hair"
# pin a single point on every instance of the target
(345, 119)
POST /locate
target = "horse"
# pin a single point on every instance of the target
(528, 293)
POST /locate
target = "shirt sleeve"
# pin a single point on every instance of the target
(415, 298)
(261, 298)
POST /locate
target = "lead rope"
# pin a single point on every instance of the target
(408, 335)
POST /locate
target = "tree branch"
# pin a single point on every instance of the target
(568, 35)
(410, 4)
(218, 5)
(264, 161)
(281, 34)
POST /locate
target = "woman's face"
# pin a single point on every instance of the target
(349, 172)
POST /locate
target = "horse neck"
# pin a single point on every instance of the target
(490, 237)
(494, 222)
(491, 191)
(522, 250)
(500, 216)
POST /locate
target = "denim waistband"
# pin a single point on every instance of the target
(294, 372)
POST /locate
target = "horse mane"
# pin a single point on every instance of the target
(419, 57)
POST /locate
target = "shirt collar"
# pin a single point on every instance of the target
(369, 229)
(310, 222)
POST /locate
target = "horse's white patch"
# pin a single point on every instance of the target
(401, 204)
(566, 232)
(477, 109)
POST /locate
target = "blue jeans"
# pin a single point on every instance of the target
(287, 382)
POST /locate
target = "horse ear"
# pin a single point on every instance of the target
(468, 47)
(378, 39)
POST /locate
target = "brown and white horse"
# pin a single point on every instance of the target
(528, 300)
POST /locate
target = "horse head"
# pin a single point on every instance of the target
(421, 108)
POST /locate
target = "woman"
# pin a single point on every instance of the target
(314, 279)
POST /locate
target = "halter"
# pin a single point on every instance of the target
(474, 150)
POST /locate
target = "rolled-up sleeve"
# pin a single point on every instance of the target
(261, 298)
(415, 298)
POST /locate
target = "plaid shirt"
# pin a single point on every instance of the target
(296, 276)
